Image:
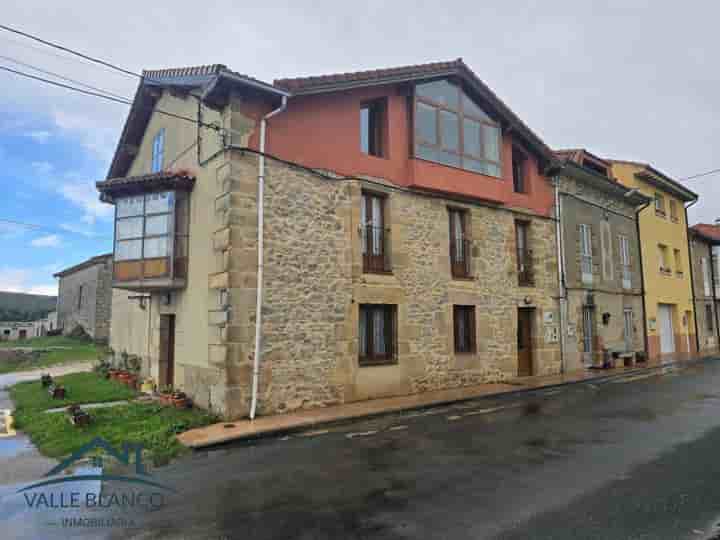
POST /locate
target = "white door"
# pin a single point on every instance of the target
(667, 334)
(629, 330)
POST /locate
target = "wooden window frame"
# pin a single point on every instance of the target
(390, 334)
(673, 211)
(375, 263)
(377, 127)
(677, 259)
(459, 269)
(520, 186)
(523, 255)
(465, 314)
(709, 323)
(659, 202)
(461, 115)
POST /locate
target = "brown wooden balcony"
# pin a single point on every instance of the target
(376, 249)
(526, 276)
(460, 255)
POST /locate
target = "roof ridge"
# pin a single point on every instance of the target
(185, 71)
(458, 62)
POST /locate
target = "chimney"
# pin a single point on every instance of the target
(717, 221)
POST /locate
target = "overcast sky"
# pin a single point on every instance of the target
(631, 80)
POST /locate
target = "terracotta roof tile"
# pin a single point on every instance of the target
(711, 232)
(178, 179)
(305, 83)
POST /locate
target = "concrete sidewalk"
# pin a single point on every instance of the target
(285, 423)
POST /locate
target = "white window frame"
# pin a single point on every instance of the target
(625, 262)
(586, 253)
(706, 275)
(143, 214)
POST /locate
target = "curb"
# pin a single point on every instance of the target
(302, 426)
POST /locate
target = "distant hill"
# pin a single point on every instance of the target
(25, 307)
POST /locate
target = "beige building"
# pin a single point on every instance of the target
(368, 288)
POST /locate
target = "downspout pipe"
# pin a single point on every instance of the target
(714, 282)
(642, 277)
(692, 278)
(561, 270)
(261, 229)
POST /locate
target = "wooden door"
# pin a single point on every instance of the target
(524, 335)
(167, 350)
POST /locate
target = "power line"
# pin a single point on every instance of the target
(70, 51)
(123, 101)
(57, 75)
(37, 227)
(700, 175)
(67, 87)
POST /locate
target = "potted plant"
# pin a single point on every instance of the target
(165, 395)
(147, 386)
(77, 416)
(46, 380)
(180, 400)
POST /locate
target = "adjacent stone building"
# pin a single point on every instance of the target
(602, 274)
(403, 220)
(85, 297)
(704, 243)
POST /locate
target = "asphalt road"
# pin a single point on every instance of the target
(633, 458)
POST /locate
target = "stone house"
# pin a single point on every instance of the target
(14, 331)
(704, 245)
(85, 297)
(331, 239)
(601, 268)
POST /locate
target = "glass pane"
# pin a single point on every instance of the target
(439, 156)
(129, 228)
(156, 247)
(364, 129)
(449, 130)
(491, 140)
(157, 224)
(471, 134)
(128, 249)
(129, 206)
(425, 124)
(491, 169)
(441, 92)
(156, 203)
(379, 345)
(472, 109)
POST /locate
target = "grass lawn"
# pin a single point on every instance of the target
(75, 350)
(149, 424)
(79, 388)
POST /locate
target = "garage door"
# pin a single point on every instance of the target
(667, 334)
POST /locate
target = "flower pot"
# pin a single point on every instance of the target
(181, 403)
(147, 386)
(46, 380)
(165, 399)
(57, 392)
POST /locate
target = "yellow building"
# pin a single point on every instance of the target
(669, 313)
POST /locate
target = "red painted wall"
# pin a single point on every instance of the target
(323, 131)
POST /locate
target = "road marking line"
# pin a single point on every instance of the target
(634, 378)
(314, 433)
(494, 409)
(454, 417)
(397, 428)
(361, 434)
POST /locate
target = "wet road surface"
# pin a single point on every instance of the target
(635, 457)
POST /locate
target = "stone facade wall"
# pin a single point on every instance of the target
(93, 312)
(314, 284)
(706, 320)
(586, 204)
